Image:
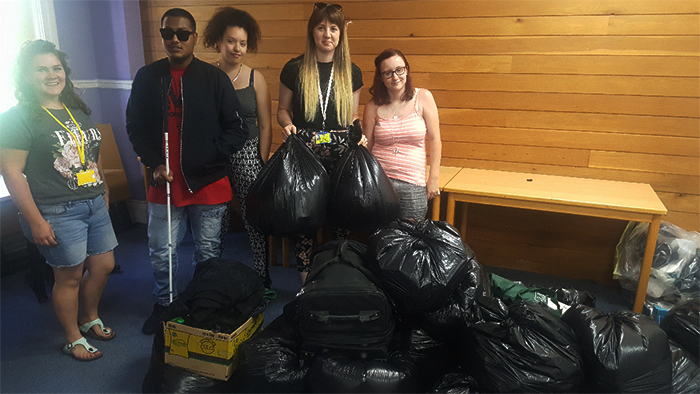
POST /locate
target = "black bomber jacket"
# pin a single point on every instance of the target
(212, 128)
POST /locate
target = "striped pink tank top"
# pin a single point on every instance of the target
(399, 145)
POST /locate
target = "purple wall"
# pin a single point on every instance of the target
(105, 45)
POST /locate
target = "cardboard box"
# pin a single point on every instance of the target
(205, 352)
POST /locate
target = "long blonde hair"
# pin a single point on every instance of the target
(342, 68)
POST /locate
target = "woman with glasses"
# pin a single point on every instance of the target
(319, 98)
(233, 33)
(397, 122)
(50, 160)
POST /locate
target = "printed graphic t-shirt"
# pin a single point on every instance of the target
(53, 161)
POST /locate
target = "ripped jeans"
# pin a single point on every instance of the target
(204, 222)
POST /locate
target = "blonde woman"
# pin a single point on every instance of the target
(319, 98)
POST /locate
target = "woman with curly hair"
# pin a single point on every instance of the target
(50, 158)
(233, 33)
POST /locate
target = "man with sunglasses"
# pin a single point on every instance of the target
(195, 103)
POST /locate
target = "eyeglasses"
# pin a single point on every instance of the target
(400, 72)
(321, 6)
(182, 35)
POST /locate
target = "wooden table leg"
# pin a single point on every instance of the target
(285, 252)
(436, 207)
(450, 211)
(652, 235)
(273, 250)
(463, 223)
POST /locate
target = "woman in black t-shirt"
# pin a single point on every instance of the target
(319, 98)
(49, 154)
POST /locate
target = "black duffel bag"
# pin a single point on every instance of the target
(362, 196)
(290, 195)
(341, 305)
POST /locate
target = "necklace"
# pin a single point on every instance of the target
(238, 73)
(391, 129)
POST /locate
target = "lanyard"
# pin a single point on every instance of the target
(80, 144)
(324, 103)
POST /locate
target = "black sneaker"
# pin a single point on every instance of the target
(154, 322)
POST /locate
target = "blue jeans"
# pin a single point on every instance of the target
(82, 229)
(205, 224)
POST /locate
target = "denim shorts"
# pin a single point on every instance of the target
(82, 228)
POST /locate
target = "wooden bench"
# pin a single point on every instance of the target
(578, 196)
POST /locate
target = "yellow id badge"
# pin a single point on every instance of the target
(86, 177)
(323, 138)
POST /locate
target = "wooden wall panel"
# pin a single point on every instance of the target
(606, 89)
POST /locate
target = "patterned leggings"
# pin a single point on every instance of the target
(243, 168)
(414, 199)
(328, 154)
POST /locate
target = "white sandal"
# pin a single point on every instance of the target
(86, 329)
(84, 343)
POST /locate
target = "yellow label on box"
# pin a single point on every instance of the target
(178, 343)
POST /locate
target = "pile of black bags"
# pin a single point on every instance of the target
(452, 335)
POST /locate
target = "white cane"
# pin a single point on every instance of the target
(170, 236)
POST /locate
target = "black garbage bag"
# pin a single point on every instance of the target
(623, 351)
(290, 195)
(420, 263)
(166, 378)
(686, 374)
(271, 359)
(523, 347)
(571, 296)
(333, 372)
(431, 356)
(682, 324)
(448, 320)
(362, 196)
(456, 382)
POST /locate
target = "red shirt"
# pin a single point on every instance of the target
(214, 193)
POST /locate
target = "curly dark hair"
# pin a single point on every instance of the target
(379, 92)
(225, 17)
(25, 92)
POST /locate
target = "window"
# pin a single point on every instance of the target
(22, 20)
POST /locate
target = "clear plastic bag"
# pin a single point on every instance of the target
(675, 270)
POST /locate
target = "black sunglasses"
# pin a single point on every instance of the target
(182, 35)
(321, 6)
